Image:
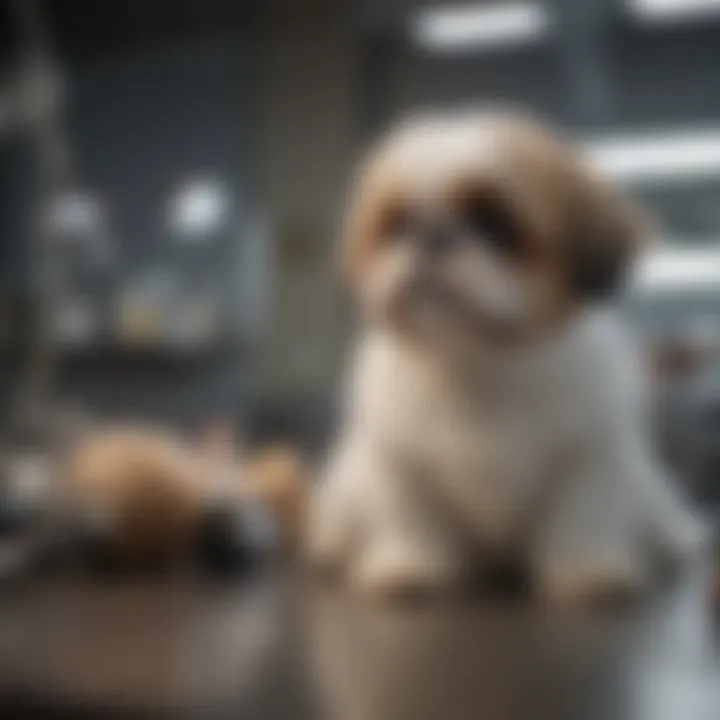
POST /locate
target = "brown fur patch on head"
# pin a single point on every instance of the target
(605, 233)
(585, 233)
(374, 202)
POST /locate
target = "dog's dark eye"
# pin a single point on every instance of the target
(397, 221)
(492, 223)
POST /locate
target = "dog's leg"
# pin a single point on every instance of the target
(333, 523)
(588, 548)
(675, 533)
(371, 519)
(407, 549)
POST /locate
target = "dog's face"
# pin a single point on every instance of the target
(482, 229)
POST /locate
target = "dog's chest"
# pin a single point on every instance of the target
(490, 446)
(486, 450)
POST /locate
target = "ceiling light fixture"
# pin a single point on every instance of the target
(670, 11)
(677, 155)
(199, 208)
(678, 268)
(480, 27)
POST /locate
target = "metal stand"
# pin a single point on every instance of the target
(42, 110)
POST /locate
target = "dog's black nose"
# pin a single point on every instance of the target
(434, 239)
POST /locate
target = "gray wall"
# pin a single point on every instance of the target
(138, 126)
(309, 104)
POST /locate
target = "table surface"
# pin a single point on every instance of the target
(274, 646)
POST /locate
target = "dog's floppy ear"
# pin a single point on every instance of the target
(606, 232)
(357, 233)
(369, 199)
(374, 201)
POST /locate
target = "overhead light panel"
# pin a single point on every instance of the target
(688, 155)
(199, 207)
(482, 27)
(670, 11)
(673, 268)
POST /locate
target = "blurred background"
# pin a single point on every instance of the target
(173, 174)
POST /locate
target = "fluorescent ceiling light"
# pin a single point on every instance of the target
(480, 26)
(199, 208)
(664, 11)
(678, 268)
(692, 154)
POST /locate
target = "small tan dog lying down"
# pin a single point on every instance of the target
(141, 488)
(149, 497)
(494, 409)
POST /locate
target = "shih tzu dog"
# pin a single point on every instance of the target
(495, 407)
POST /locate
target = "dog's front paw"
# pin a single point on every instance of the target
(592, 585)
(401, 574)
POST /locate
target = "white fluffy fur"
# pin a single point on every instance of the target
(542, 455)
